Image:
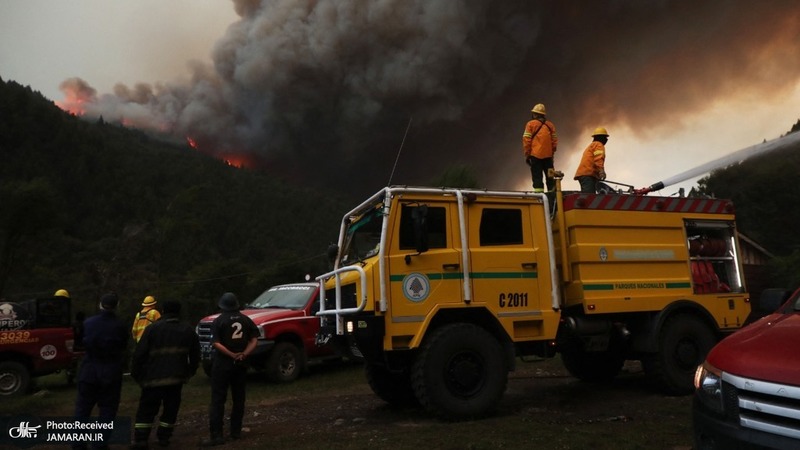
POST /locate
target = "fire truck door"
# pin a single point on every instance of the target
(416, 278)
(509, 262)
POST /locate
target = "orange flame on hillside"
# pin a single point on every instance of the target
(240, 161)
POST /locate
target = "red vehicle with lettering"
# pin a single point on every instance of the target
(36, 339)
(288, 328)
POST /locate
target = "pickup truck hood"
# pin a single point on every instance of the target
(766, 350)
(260, 316)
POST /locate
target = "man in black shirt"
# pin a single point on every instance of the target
(234, 337)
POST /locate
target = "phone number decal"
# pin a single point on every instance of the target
(16, 337)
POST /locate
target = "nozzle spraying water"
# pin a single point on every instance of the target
(737, 156)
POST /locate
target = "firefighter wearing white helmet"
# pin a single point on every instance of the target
(539, 144)
(145, 317)
(592, 167)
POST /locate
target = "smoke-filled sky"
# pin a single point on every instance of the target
(324, 91)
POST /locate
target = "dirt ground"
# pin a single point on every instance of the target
(543, 408)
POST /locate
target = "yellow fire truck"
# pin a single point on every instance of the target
(442, 289)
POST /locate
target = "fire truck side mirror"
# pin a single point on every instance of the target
(420, 218)
(332, 252)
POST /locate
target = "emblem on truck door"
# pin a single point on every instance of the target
(416, 287)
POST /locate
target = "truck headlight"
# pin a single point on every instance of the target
(708, 385)
(261, 331)
(350, 327)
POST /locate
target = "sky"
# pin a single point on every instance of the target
(365, 93)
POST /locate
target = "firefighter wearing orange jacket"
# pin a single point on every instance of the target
(539, 144)
(592, 166)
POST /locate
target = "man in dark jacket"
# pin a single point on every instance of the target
(100, 377)
(165, 358)
(234, 336)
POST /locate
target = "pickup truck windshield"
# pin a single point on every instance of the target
(291, 297)
(363, 237)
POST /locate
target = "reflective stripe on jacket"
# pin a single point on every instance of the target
(539, 139)
(592, 161)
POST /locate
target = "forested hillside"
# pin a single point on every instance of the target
(92, 207)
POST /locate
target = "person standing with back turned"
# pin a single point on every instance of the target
(539, 145)
(592, 167)
(100, 376)
(165, 358)
(233, 337)
(145, 317)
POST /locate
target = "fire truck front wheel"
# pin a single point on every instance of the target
(14, 378)
(460, 372)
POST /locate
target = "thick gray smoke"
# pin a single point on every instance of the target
(323, 91)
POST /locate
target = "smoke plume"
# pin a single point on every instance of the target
(323, 91)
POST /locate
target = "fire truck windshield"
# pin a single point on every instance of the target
(285, 296)
(363, 238)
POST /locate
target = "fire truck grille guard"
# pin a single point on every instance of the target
(768, 407)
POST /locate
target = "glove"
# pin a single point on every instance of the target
(528, 160)
(601, 175)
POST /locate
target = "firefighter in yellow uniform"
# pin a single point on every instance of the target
(539, 144)
(145, 317)
(592, 167)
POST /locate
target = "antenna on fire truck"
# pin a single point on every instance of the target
(400, 150)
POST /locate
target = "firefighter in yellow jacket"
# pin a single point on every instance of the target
(539, 144)
(592, 166)
(145, 317)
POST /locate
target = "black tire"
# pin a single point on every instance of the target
(207, 367)
(592, 366)
(392, 387)
(285, 363)
(683, 344)
(460, 373)
(15, 378)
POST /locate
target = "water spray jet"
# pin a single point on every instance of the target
(737, 156)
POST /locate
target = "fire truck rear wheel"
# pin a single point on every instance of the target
(460, 372)
(14, 378)
(684, 342)
(392, 387)
(285, 363)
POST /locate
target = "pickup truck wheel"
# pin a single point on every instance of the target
(460, 373)
(14, 378)
(285, 363)
(684, 342)
(392, 387)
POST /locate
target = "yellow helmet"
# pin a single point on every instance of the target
(600, 131)
(539, 109)
(61, 293)
(149, 301)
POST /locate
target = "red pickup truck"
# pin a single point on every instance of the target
(36, 338)
(288, 329)
(748, 389)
